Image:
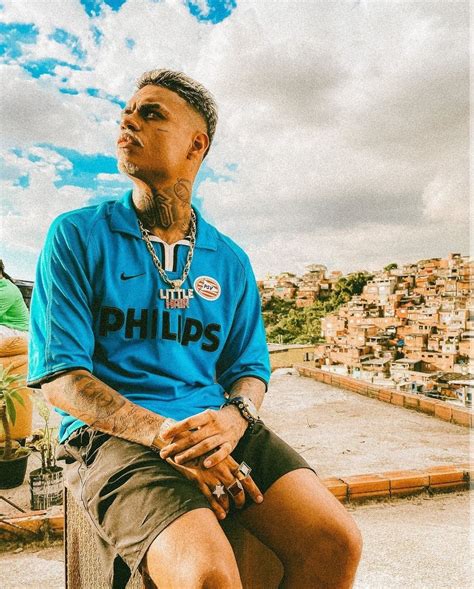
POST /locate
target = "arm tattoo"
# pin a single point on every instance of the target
(104, 409)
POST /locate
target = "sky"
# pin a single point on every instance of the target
(343, 134)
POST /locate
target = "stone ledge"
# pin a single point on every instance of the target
(37, 525)
(435, 408)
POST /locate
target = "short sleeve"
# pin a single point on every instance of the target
(61, 336)
(6, 301)
(245, 351)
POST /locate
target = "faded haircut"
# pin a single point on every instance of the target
(194, 93)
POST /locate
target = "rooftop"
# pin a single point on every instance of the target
(343, 433)
(415, 542)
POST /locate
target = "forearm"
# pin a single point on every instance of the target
(251, 387)
(87, 398)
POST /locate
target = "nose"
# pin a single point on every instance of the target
(128, 121)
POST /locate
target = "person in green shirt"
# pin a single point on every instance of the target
(14, 316)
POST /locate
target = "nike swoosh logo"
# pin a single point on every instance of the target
(123, 277)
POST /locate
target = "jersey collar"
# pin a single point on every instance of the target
(124, 220)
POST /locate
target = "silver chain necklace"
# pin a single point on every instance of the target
(176, 297)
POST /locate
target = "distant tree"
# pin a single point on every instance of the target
(390, 266)
(289, 324)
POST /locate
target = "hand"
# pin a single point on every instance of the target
(202, 433)
(222, 473)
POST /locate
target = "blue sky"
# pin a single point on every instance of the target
(343, 126)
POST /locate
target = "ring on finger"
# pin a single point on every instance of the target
(235, 488)
(243, 470)
(218, 491)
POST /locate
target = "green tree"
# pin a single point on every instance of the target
(390, 266)
(288, 324)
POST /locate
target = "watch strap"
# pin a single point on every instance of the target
(242, 405)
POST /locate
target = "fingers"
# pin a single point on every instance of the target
(224, 498)
(219, 506)
(228, 472)
(233, 487)
(199, 449)
(251, 488)
(191, 423)
(216, 505)
(236, 491)
(221, 454)
(183, 443)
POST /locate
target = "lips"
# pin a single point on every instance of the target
(125, 140)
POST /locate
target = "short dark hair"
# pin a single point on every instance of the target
(3, 273)
(195, 94)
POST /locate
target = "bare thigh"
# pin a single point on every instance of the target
(302, 522)
(192, 552)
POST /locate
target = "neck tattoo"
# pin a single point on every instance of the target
(166, 206)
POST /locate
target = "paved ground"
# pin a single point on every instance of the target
(343, 433)
(417, 543)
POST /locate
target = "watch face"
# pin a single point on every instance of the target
(251, 408)
(165, 426)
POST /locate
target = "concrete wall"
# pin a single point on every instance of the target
(287, 357)
(436, 408)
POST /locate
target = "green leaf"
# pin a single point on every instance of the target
(11, 411)
(16, 395)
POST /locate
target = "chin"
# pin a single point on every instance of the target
(128, 168)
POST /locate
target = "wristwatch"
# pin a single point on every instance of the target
(247, 409)
(158, 443)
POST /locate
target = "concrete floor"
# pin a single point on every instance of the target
(343, 433)
(417, 543)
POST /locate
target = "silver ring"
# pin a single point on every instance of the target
(235, 488)
(218, 491)
(244, 469)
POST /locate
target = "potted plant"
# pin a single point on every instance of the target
(13, 457)
(46, 482)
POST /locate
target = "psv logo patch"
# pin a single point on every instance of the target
(208, 288)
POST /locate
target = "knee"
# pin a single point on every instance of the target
(220, 577)
(331, 553)
(213, 576)
(345, 546)
(202, 575)
(351, 542)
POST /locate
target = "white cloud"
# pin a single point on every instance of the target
(33, 112)
(343, 134)
(446, 198)
(28, 212)
(348, 121)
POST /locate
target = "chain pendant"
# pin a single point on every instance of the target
(175, 297)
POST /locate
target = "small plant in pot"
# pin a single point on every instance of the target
(46, 483)
(13, 457)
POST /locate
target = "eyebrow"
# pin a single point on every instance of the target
(147, 105)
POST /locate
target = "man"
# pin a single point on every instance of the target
(143, 312)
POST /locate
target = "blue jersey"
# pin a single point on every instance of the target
(100, 304)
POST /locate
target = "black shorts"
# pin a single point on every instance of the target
(130, 494)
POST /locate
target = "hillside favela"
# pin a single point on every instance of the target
(371, 384)
(409, 327)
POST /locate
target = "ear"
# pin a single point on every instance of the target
(199, 146)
